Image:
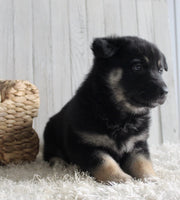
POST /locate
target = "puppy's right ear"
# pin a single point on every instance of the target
(103, 48)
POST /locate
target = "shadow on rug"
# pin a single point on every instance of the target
(38, 181)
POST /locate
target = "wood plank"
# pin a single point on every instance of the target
(146, 31)
(61, 65)
(23, 68)
(128, 17)
(145, 20)
(169, 112)
(112, 17)
(177, 20)
(78, 42)
(42, 53)
(95, 24)
(173, 36)
(6, 40)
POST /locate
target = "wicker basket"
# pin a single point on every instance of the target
(19, 103)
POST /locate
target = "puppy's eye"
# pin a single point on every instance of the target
(160, 70)
(137, 67)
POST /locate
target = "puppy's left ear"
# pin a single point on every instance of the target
(103, 48)
(165, 63)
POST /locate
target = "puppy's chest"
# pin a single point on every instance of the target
(126, 128)
(127, 136)
(116, 137)
(117, 145)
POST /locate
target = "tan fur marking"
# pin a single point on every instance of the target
(159, 63)
(113, 81)
(115, 76)
(109, 170)
(141, 167)
(146, 58)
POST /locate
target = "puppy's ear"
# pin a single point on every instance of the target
(103, 48)
(165, 64)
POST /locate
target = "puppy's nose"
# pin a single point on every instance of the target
(163, 91)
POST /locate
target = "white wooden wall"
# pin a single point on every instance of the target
(47, 42)
(174, 19)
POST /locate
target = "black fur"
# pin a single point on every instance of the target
(95, 110)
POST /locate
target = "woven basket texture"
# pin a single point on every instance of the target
(19, 103)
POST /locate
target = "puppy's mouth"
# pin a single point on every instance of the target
(147, 103)
(161, 100)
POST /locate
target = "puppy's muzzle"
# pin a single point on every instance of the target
(163, 91)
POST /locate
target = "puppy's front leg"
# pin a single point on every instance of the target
(109, 170)
(139, 166)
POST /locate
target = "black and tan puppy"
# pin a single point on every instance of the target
(104, 127)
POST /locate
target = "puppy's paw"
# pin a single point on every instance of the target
(125, 178)
(150, 178)
(122, 178)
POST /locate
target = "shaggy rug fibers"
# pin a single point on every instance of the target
(38, 181)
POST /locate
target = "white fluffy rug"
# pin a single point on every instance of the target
(39, 181)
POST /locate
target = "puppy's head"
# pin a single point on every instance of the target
(132, 68)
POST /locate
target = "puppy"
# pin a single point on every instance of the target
(104, 127)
